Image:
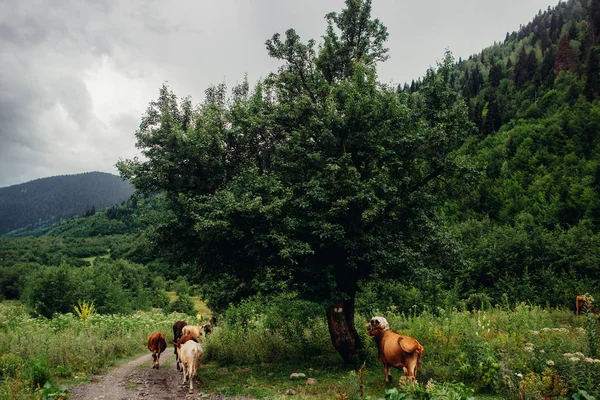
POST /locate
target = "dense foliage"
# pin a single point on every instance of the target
(530, 230)
(50, 200)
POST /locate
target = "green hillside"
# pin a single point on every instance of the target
(44, 202)
(529, 229)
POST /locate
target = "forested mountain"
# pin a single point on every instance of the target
(530, 229)
(48, 200)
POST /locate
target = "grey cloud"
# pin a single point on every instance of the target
(48, 48)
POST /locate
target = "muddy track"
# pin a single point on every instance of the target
(137, 380)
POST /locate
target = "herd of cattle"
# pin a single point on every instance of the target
(187, 347)
(393, 349)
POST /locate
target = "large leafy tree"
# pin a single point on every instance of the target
(317, 179)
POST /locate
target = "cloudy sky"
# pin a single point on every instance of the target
(76, 76)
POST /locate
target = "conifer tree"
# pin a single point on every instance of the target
(565, 59)
(592, 83)
(595, 16)
(547, 68)
(495, 75)
(520, 71)
(572, 31)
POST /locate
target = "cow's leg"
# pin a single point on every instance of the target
(184, 372)
(191, 373)
(158, 360)
(386, 370)
(409, 369)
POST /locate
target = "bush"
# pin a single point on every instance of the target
(270, 329)
(182, 304)
(160, 299)
(37, 371)
(9, 365)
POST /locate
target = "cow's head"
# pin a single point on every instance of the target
(375, 331)
(381, 322)
(207, 328)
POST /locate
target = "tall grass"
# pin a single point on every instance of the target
(270, 330)
(33, 349)
(526, 353)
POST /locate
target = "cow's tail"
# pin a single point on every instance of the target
(420, 350)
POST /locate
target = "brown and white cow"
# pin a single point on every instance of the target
(190, 354)
(156, 344)
(396, 350)
(177, 333)
(196, 331)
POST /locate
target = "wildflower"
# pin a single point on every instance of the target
(430, 385)
(529, 347)
(550, 363)
(574, 359)
(520, 375)
(542, 351)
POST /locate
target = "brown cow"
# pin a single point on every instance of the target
(584, 303)
(156, 344)
(207, 329)
(398, 351)
(177, 333)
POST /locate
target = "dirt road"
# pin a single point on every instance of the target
(137, 380)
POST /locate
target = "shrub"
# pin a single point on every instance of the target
(160, 299)
(9, 365)
(37, 371)
(182, 304)
(270, 329)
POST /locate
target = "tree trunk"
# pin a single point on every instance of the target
(345, 339)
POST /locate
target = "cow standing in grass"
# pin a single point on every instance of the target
(396, 350)
(190, 354)
(156, 344)
(177, 334)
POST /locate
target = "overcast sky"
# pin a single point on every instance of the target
(76, 76)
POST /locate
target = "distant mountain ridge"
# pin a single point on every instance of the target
(29, 204)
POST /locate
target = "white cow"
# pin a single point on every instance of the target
(190, 354)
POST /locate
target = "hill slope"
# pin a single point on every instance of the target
(59, 197)
(530, 231)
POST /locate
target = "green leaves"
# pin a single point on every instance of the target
(314, 178)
